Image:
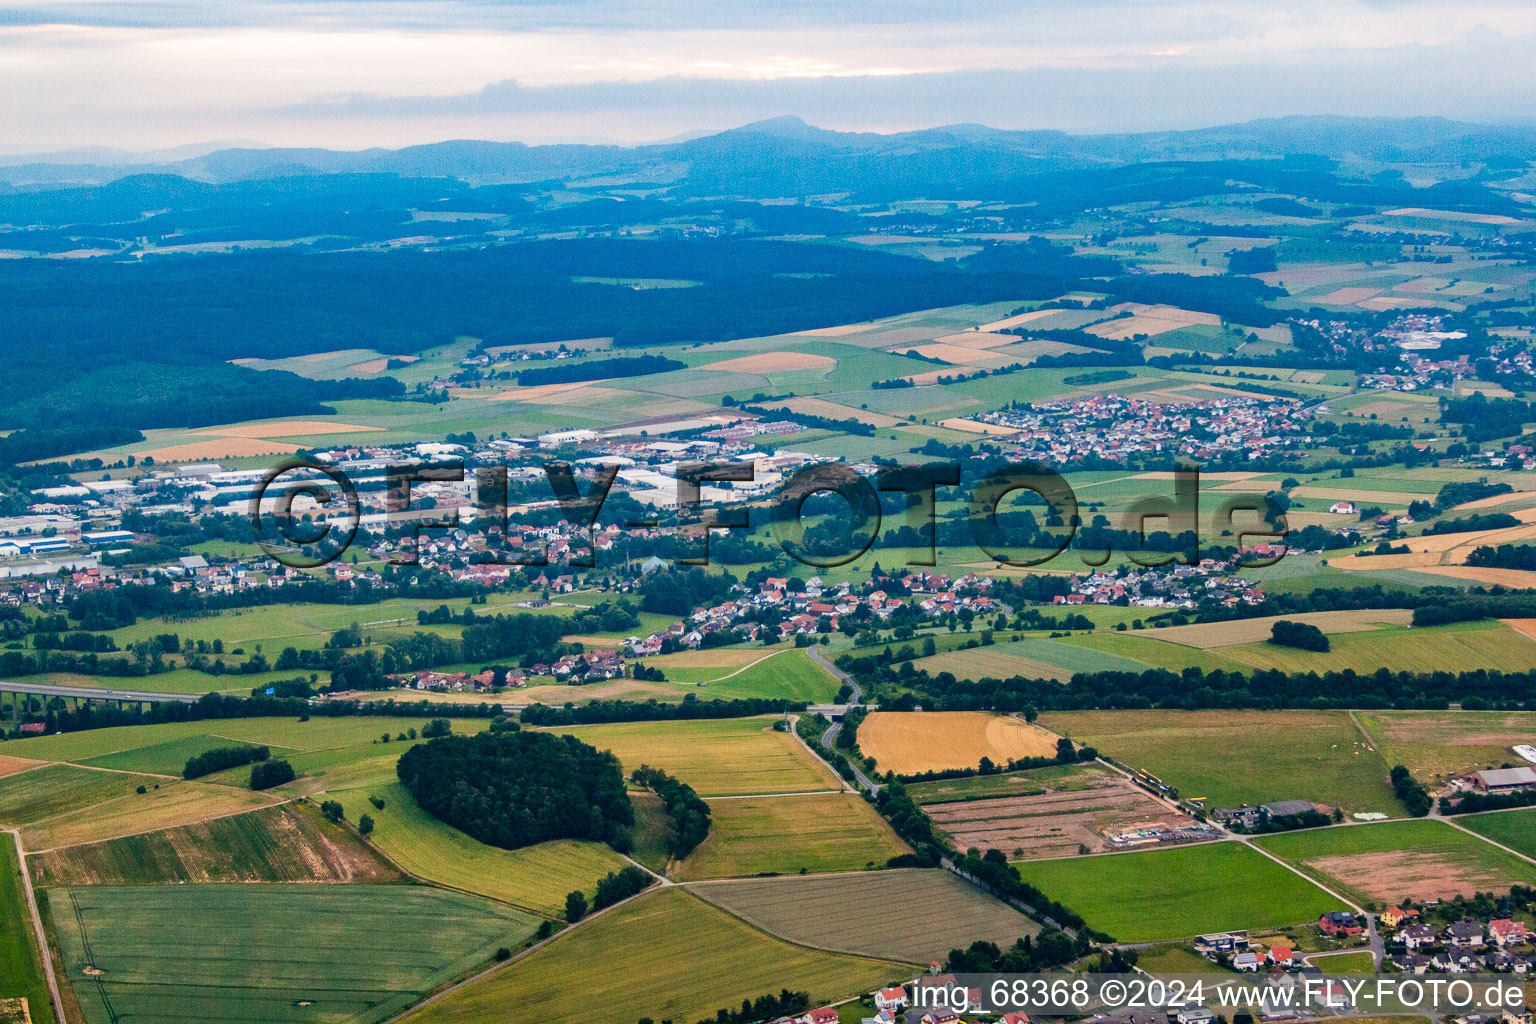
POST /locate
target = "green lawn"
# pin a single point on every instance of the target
(1236, 757)
(1515, 829)
(1169, 894)
(1422, 859)
(787, 834)
(253, 954)
(1346, 963)
(536, 877)
(21, 968)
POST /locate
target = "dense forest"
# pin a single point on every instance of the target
(513, 789)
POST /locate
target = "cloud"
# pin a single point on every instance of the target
(151, 73)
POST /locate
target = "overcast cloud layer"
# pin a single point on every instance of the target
(352, 73)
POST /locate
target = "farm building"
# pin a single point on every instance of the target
(1502, 780)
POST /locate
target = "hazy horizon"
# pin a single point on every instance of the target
(154, 75)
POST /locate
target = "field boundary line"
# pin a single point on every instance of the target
(1246, 841)
(794, 942)
(115, 771)
(434, 884)
(516, 957)
(1491, 842)
(751, 664)
(148, 831)
(37, 931)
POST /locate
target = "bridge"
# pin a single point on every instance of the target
(98, 693)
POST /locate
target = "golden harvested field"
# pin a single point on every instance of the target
(911, 742)
(14, 765)
(1471, 218)
(716, 657)
(1520, 579)
(978, 339)
(587, 394)
(1014, 321)
(723, 757)
(858, 913)
(832, 410)
(1525, 627)
(529, 394)
(1207, 635)
(380, 365)
(835, 332)
(1224, 476)
(773, 362)
(1382, 303)
(682, 960)
(172, 804)
(789, 834)
(287, 428)
(974, 427)
(1443, 554)
(1493, 500)
(1348, 296)
(220, 448)
(932, 376)
(954, 354)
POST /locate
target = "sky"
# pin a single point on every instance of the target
(147, 75)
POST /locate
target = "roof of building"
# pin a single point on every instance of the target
(1496, 777)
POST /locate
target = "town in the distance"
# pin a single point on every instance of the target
(561, 733)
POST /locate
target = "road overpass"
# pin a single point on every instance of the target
(98, 693)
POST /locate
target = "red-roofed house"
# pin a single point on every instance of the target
(1505, 932)
(890, 998)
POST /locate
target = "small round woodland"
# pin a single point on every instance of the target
(514, 789)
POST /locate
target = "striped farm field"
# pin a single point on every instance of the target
(162, 805)
(1171, 894)
(270, 954)
(853, 913)
(788, 834)
(911, 742)
(681, 958)
(292, 843)
(1250, 631)
(722, 757)
(534, 877)
(58, 789)
(1460, 647)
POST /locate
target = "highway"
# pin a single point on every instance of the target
(97, 693)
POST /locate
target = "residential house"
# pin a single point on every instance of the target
(1465, 934)
(1416, 935)
(891, 998)
(1339, 922)
(1504, 932)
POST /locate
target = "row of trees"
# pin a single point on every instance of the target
(689, 812)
